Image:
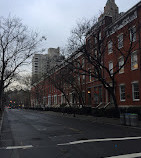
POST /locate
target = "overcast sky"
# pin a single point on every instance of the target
(55, 18)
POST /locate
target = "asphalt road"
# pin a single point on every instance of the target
(36, 134)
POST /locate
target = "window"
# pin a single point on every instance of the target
(95, 39)
(55, 99)
(95, 53)
(120, 41)
(78, 65)
(122, 92)
(70, 95)
(95, 72)
(134, 61)
(121, 63)
(83, 62)
(78, 79)
(90, 76)
(99, 35)
(90, 45)
(83, 78)
(111, 67)
(133, 34)
(110, 47)
(135, 91)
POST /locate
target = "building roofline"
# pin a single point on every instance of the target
(125, 14)
(115, 22)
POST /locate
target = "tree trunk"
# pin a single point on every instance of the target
(115, 104)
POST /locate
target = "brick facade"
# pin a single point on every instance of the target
(128, 79)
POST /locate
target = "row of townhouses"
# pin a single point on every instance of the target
(104, 71)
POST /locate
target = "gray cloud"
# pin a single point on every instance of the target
(56, 18)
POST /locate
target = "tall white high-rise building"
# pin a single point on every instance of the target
(42, 63)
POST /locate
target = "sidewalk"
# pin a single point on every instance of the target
(102, 120)
(1, 119)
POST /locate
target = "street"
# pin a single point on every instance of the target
(41, 134)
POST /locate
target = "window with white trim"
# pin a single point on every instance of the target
(55, 99)
(90, 76)
(111, 67)
(70, 95)
(110, 47)
(95, 39)
(83, 62)
(122, 92)
(78, 79)
(135, 91)
(121, 63)
(120, 41)
(83, 78)
(133, 34)
(134, 61)
(99, 35)
(95, 53)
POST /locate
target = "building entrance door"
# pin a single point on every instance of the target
(89, 96)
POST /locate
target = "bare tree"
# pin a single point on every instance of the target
(57, 80)
(78, 34)
(17, 45)
(66, 81)
(25, 81)
(38, 92)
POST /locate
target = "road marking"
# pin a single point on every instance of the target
(100, 140)
(19, 147)
(126, 156)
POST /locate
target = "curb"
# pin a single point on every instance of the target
(1, 122)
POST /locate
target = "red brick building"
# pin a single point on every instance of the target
(115, 36)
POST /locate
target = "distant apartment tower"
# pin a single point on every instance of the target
(38, 65)
(42, 63)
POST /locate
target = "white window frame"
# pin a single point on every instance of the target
(55, 99)
(133, 34)
(90, 76)
(99, 36)
(95, 53)
(95, 39)
(83, 62)
(121, 92)
(111, 67)
(83, 78)
(70, 95)
(120, 41)
(110, 47)
(79, 79)
(133, 63)
(121, 62)
(133, 93)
